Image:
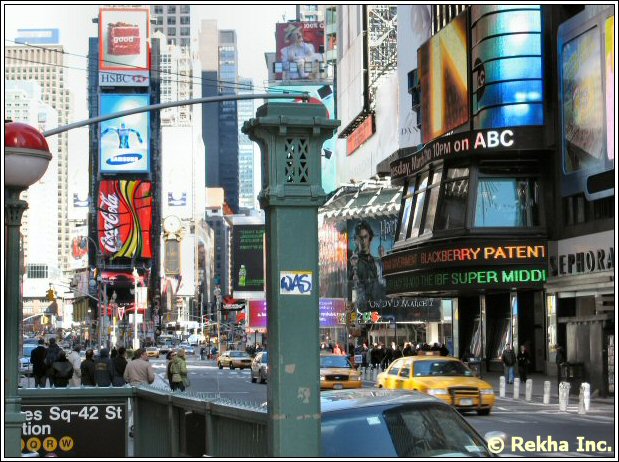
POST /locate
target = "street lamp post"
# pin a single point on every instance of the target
(25, 161)
(136, 341)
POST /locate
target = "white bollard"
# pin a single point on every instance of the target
(528, 390)
(547, 392)
(581, 402)
(516, 388)
(564, 395)
(501, 387)
(586, 391)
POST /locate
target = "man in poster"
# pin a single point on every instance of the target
(366, 270)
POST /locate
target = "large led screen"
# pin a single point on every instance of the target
(123, 39)
(443, 77)
(332, 257)
(319, 94)
(248, 258)
(330, 312)
(125, 218)
(124, 141)
(300, 50)
(507, 66)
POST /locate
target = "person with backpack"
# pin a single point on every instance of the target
(104, 369)
(61, 371)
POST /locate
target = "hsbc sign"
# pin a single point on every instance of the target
(124, 79)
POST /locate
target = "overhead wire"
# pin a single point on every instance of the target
(215, 82)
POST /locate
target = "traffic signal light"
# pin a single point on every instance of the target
(51, 295)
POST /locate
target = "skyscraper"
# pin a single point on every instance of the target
(44, 63)
(246, 109)
(174, 21)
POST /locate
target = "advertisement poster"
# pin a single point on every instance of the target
(125, 218)
(369, 240)
(330, 312)
(123, 39)
(79, 248)
(124, 141)
(248, 258)
(332, 258)
(300, 50)
(319, 94)
(442, 62)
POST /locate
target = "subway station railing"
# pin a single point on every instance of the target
(140, 422)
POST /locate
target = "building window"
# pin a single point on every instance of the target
(158, 9)
(171, 31)
(171, 9)
(419, 207)
(507, 202)
(452, 209)
(185, 20)
(185, 9)
(36, 271)
(185, 31)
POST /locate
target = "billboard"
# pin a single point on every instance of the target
(300, 50)
(330, 312)
(123, 39)
(124, 141)
(125, 218)
(332, 258)
(369, 239)
(38, 36)
(248, 258)
(318, 94)
(443, 74)
(586, 62)
(79, 248)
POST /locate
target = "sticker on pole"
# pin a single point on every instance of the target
(295, 283)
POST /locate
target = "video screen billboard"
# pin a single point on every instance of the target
(248, 258)
(300, 50)
(443, 73)
(125, 218)
(123, 39)
(332, 257)
(331, 311)
(124, 141)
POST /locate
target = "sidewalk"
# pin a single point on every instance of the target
(537, 394)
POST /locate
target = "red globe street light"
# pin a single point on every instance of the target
(26, 157)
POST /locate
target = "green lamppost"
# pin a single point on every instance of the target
(291, 136)
(26, 157)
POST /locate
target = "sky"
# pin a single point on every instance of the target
(254, 24)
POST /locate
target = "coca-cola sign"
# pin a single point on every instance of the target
(125, 218)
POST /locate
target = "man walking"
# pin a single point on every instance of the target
(509, 360)
(37, 359)
(139, 371)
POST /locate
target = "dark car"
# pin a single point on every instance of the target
(260, 367)
(394, 423)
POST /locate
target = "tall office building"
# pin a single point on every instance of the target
(174, 21)
(44, 63)
(246, 109)
(219, 60)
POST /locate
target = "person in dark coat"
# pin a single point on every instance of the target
(104, 369)
(120, 363)
(523, 361)
(61, 370)
(444, 350)
(37, 359)
(53, 351)
(88, 370)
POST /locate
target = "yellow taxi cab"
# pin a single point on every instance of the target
(444, 377)
(336, 373)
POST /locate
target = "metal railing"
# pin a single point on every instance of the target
(171, 424)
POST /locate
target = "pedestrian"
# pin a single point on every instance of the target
(87, 369)
(119, 363)
(508, 358)
(104, 370)
(76, 361)
(53, 350)
(444, 350)
(559, 360)
(523, 361)
(139, 371)
(178, 371)
(408, 350)
(37, 359)
(61, 371)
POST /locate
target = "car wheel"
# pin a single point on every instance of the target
(483, 412)
(220, 365)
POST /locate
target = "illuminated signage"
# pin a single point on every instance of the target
(124, 79)
(248, 258)
(123, 39)
(300, 50)
(477, 141)
(330, 312)
(361, 134)
(39, 36)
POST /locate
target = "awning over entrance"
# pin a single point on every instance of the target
(364, 200)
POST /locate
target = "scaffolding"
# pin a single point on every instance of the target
(382, 46)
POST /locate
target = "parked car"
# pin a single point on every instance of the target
(188, 348)
(25, 367)
(445, 377)
(152, 352)
(260, 367)
(234, 359)
(394, 423)
(337, 372)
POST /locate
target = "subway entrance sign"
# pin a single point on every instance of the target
(75, 430)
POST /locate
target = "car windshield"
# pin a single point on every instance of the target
(448, 368)
(239, 354)
(28, 349)
(420, 430)
(334, 361)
